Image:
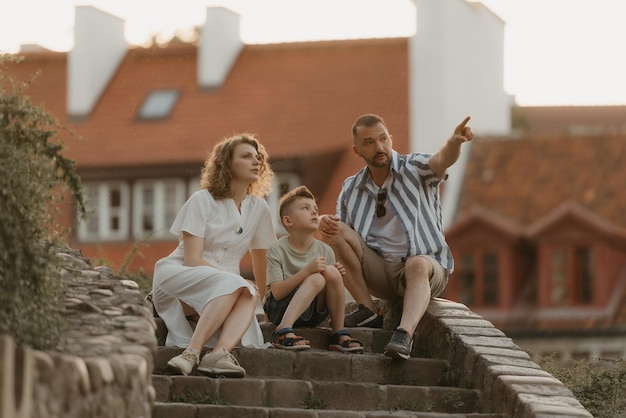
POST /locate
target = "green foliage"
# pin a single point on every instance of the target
(309, 402)
(33, 175)
(419, 405)
(143, 280)
(600, 385)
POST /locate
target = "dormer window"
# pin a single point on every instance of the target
(477, 276)
(158, 104)
(571, 278)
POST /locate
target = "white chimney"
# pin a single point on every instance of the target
(99, 47)
(456, 61)
(219, 46)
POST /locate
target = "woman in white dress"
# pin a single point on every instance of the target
(216, 227)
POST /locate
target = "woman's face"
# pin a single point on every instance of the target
(245, 165)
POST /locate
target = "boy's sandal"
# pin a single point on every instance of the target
(279, 340)
(348, 346)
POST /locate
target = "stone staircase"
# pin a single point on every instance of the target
(461, 366)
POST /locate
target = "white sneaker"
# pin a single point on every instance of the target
(183, 363)
(221, 363)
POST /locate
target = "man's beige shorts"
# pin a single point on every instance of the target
(385, 279)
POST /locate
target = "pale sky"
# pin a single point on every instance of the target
(557, 52)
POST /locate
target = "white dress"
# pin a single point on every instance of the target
(228, 234)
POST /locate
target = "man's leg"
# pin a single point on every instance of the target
(423, 276)
(417, 272)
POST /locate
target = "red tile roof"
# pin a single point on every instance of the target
(526, 185)
(525, 179)
(570, 120)
(300, 99)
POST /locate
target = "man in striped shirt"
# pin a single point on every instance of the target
(388, 231)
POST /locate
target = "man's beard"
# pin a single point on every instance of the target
(376, 162)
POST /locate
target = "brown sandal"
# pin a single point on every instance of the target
(347, 345)
(279, 340)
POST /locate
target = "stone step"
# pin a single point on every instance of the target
(320, 395)
(186, 410)
(330, 366)
(374, 340)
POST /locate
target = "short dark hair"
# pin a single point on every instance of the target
(368, 120)
(300, 192)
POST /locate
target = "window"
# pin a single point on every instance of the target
(283, 182)
(490, 279)
(155, 205)
(108, 207)
(571, 280)
(158, 104)
(466, 272)
(477, 276)
(583, 279)
(559, 294)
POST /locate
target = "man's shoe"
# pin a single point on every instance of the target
(221, 363)
(400, 345)
(183, 363)
(363, 317)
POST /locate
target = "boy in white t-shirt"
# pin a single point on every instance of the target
(304, 283)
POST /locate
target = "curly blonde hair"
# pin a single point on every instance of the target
(217, 174)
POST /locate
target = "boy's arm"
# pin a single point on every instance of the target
(282, 288)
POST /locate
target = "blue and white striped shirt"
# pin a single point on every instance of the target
(414, 198)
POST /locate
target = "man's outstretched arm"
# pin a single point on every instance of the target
(449, 153)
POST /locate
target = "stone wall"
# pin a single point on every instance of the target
(105, 368)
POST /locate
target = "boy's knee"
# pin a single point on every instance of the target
(316, 280)
(332, 275)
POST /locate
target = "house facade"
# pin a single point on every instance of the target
(534, 216)
(149, 116)
(540, 237)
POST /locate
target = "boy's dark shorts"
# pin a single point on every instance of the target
(275, 310)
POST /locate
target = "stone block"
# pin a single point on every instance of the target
(415, 372)
(174, 410)
(372, 368)
(490, 374)
(100, 372)
(162, 386)
(466, 322)
(527, 406)
(482, 331)
(283, 393)
(163, 355)
(454, 400)
(194, 388)
(507, 387)
(223, 411)
(407, 397)
(335, 367)
(491, 360)
(268, 363)
(500, 342)
(294, 413)
(244, 392)
(16, 379)
(349, 396)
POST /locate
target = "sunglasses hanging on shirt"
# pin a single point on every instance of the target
(380, 203)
